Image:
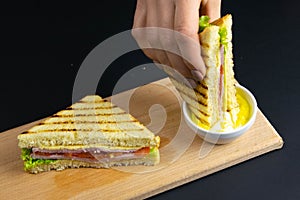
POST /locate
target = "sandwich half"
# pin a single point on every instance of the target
(214, 103)
(91, 133)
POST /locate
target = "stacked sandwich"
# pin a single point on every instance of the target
(91, 133)
(213, 103)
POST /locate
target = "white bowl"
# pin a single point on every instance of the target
(226, 136)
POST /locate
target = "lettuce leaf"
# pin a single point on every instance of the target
(153, 152)
(29, 162)
(203, 22)
(223, 36)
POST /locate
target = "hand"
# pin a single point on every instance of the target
(167, 32)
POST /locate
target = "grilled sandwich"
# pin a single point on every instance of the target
(91, 133)
(213, 102)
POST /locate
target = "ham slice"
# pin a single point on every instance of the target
(221, 81)
(92, 155)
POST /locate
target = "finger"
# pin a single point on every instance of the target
(166, 9)
(155, 52)
(166, 13)
(140, 29)
(139, 24)
(187, 17)
(173, 65)
(211, 8)
(186, 23)
(140, 14)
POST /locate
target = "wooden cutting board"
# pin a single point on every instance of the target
(184, 156)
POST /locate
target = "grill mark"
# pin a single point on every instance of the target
(82, 115)
(203, 104)
(205, 114)
(202, 120)
(196, 91)
(205, 122)
(128, 130)
(204, 96)
(92, 108)
(88, 122)
(204, 86)
(82, 130)
(201, 94)
(194, 99)
(206, 45)
(97, 101)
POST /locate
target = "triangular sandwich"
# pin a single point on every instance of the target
(91, 133)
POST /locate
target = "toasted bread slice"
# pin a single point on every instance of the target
(203, 100)
(91, 121)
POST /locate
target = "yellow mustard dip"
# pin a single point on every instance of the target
(244, 113)
(242, 117)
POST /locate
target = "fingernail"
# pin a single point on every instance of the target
(192, 83)
(197, 75)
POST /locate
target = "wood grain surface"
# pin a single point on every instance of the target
(184, 156)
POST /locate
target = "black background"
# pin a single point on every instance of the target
(43, 44)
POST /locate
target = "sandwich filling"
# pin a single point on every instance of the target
(225, 121)
(35, 156)
(89, 154)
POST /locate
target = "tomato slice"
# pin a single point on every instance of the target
(144, 150)
(221, 70)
